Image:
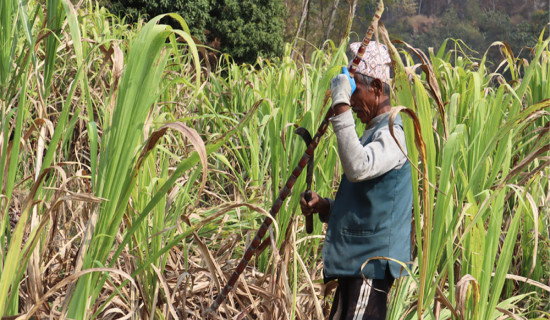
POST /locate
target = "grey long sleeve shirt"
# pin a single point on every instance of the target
(374, 159)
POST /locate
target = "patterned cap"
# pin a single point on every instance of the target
(375, 62)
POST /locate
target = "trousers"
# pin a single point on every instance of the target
(358, 298)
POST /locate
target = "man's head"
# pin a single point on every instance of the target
(372, 96)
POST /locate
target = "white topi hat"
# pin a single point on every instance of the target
(375, 62)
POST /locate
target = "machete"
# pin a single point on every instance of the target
(302, 132)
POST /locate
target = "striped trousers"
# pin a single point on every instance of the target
(357, 299)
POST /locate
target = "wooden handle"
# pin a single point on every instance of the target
(309, 219)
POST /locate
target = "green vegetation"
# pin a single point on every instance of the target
(248, 29)
(132, 175)
(425, 23)
(244, 29)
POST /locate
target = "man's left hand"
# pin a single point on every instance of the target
(342, 87)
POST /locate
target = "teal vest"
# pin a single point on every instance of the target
(371, 218)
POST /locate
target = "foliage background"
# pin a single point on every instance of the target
(134, 175)
(248, 29)
(244, 29)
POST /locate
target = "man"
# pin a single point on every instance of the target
(371, 214)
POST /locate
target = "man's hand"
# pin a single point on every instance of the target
(342, 87)
(310, 207)
(315, 205)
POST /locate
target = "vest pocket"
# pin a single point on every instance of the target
(357, 232)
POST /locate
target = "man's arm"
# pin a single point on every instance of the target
(372, 160)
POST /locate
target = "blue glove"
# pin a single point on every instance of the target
(351, 80)
(342, 87)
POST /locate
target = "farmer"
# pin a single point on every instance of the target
(371, 214)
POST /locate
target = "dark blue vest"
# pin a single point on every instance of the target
(368, 219)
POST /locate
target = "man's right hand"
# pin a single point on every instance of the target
(315, 205)
(309, 207)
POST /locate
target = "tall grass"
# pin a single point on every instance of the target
(487, 175)
(133, 176)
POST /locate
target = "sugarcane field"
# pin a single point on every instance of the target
(275, 159)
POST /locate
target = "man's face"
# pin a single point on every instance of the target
(363, 101)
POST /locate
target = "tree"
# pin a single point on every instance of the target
(299, 29)
(332, 15)
(244, 29)
(247, 29)
(194, 12)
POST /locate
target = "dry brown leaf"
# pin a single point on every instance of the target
(72, 278)
(509, 314)
(166, 294)
(461, 293)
